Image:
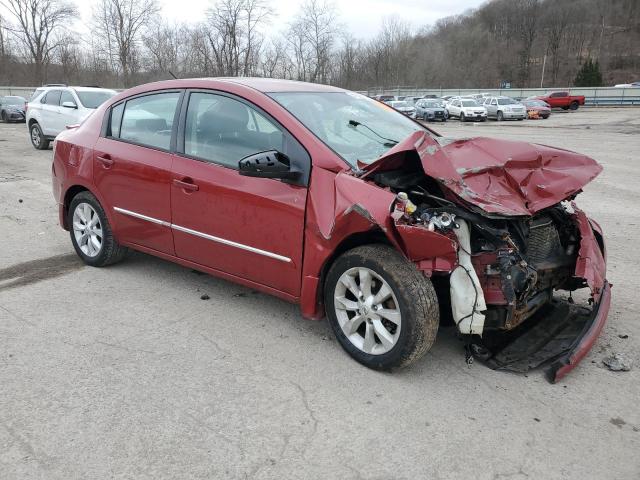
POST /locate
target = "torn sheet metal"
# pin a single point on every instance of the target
(590, 264)
(499, 176)
(467, 297)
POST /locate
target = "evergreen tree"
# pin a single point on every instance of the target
(589, 75)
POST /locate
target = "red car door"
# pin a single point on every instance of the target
(132, 169)
(248, 227)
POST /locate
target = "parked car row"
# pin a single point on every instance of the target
(481, 106)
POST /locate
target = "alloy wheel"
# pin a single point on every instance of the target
(367, 310)
(87, 229)
(35, 135)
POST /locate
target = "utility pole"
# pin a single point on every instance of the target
(544, 63)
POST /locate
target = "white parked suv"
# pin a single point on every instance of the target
(466, 109)
(502, 108)
(53, 107)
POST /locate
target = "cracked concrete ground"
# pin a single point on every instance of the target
(124, 372)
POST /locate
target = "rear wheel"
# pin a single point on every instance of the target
(38, 139)
(383, 311)
(91, 233)
(574, 106)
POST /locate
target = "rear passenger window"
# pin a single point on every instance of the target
(52, 98)
(147, 120)
(222, 130)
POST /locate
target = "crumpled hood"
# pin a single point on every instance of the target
(499, 176)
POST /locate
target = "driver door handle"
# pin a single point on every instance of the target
(186, 184)
(105, 160)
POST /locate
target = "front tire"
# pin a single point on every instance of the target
(91, 234)
(462, 117)
(383, 311)
(500, 116)
(5, 119)
(38, 139)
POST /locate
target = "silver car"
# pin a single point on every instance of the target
(504, 108)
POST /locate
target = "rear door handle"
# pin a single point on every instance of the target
(105, 160)
(186, 184)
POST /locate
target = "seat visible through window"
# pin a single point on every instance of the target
(224, 130)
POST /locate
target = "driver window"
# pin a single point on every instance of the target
(223, 130)
(494, 102)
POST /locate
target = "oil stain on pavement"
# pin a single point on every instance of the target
(34, 271)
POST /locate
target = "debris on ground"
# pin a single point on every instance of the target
(205, 297)
(618, 362)
(624, 337)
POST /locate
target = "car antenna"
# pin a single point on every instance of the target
(171, 73)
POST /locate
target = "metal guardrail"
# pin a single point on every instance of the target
(609, 96)
(19, 91)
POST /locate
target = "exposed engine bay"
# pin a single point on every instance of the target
(517, 261)
(507, 270)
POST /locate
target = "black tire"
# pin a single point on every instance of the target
(444, 120)
(565, 108)
(499, 116)
(462, 117)
(544, 117)
(5, 119)
(417, 302)
(574, 106)
(111, 251)
(38, 139)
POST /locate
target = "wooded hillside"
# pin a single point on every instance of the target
(503, 40)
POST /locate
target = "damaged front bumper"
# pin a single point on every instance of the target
(559, 337)
(560, 334)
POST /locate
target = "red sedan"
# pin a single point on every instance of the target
(537, 108)
(327, 198)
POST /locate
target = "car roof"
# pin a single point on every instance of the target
(273, 85)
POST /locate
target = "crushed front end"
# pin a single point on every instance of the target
(520, 256)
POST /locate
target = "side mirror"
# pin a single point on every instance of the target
(69, 105)
(269, 164)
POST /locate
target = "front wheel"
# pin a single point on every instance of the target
(91, 233)
(500, 116)
(5, 119)
(462, 117)
(38, 139)
(383, 311)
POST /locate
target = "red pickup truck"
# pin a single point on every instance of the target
(562, 100)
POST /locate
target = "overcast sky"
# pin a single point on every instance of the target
(362, 17)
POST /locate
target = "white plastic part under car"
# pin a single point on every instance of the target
(467, 298)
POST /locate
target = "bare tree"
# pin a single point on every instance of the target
(121, 24)
(314, 31)
(37, 23)
(233, 33)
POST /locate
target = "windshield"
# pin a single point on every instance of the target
(94, 99)
(434, 104)
(506, 101)
(345, 122)
(13, 101)
(469, 103)
(535, 103)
